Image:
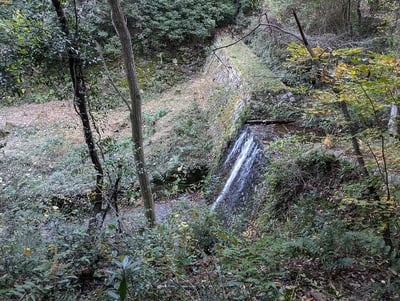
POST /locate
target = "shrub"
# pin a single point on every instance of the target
(339, 16)
(43, 254)
(171, 262)
(160, 24)
(313, 176)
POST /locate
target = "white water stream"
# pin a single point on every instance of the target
(241, 161)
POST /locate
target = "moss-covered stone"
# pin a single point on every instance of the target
(241, 76)
(251, 69)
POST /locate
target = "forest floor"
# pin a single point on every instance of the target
(59, 117)
(35, 135)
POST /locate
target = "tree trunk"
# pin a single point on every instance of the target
(135, 107)
(347, 18)
(359, 14)
(78, 81)
(353, 133)
(303, 36)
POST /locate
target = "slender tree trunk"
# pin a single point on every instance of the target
(78, 81)
(303, 36)
(359, 14)
(347, 18)
(135, 107)
(353, 133)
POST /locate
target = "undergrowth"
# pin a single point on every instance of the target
(48, 257)
(323, 239)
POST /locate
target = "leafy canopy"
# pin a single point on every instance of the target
(165, 23)
(367, 80)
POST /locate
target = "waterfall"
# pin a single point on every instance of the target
(241, 164)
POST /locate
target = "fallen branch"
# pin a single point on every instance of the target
(270, 121)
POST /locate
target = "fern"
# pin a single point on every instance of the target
(333, 246)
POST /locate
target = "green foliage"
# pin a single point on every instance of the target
(28, 42)
(125, 265)
(365, 80)
(307, 225)
(180, 162)
(33, 59)
(160, 24)
(46, 256)
(151, 119)
(43, 254)
(308, 176)
(37, 51)
(119, 163)
(336, 247)
(341, 16)
(252, 264)
(169, 262)
(67, 162)
(248, 6)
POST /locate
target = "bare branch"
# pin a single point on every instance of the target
(276, 27)
(238, 40)
(270, 25)
(100, 51)
(303, 36)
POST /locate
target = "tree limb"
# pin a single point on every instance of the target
(270, 25)
(303, 36)
(100, 51)
(274, 26)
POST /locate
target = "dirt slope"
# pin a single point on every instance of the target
(39, 142)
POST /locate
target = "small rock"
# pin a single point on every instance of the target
(4, 133)
(318, 296)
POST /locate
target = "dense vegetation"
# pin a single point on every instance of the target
(327, 222)
(32, 44)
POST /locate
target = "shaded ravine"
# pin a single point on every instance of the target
(242, 169)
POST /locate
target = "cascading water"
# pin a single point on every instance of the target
(241, 164)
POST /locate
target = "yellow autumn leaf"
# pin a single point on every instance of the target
(27, 251)
(341, 70)
(328, 141)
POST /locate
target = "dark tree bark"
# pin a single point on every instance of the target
(303, 36)
(135, 108)
(349, 23)
(359, 14)
(80, 104)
